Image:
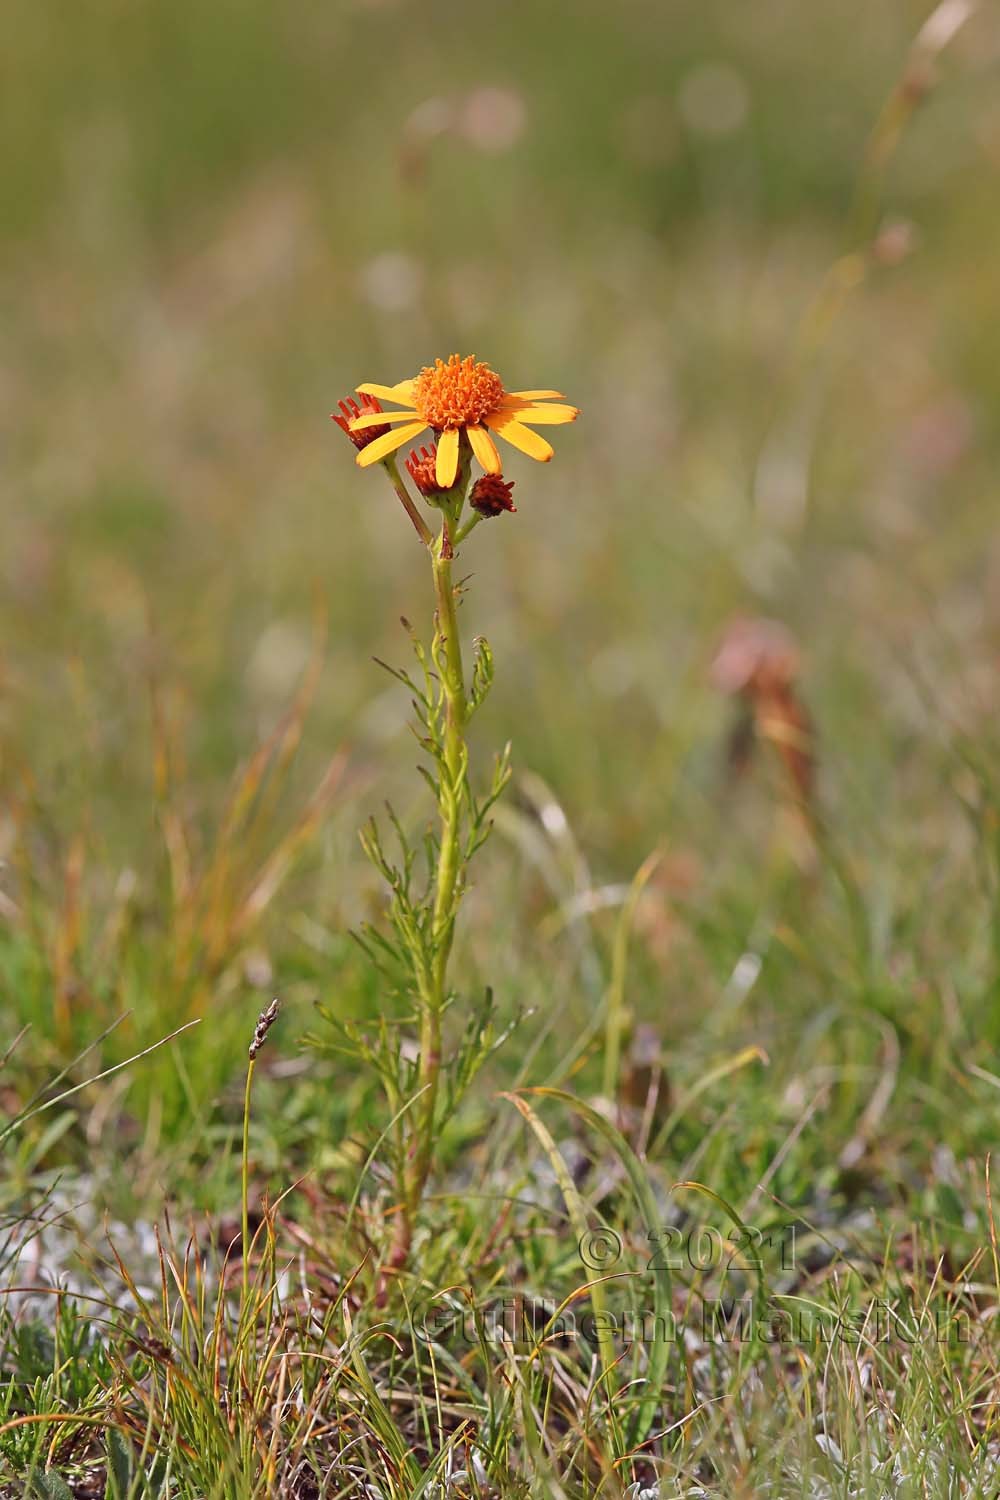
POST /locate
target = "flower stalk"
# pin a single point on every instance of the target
(447, 654)
(419, 524)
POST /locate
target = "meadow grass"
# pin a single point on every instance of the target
(717, 1214)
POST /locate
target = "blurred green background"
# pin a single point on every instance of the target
(218, 219)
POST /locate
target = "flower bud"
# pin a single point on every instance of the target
(422, 469)
(350, 411)
(491, 494)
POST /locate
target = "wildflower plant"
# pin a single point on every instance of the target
(464, 405)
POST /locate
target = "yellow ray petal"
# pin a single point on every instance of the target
(379, 418)
(542, 414)
(485, 449)
(388, 443)
(401, 392)
(446, 469)
(522, 437)
(533, 396)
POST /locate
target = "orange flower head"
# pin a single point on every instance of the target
(350, 411)
(421, 468)
(456, 393)
(491, 495)
(461, 399)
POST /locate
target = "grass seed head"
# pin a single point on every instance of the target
(265, 1021)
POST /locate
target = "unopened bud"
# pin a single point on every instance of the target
(492, 494)
(350, 411)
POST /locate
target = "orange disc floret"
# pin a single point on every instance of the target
(421, 468)
(457, 392)
(349, 413)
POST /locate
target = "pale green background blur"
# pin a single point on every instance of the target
(217, 218)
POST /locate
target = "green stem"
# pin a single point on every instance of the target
(449, 861)
(419, 524)
(245, 1182)
(453, 683)
(433, 978)
(469, 526)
